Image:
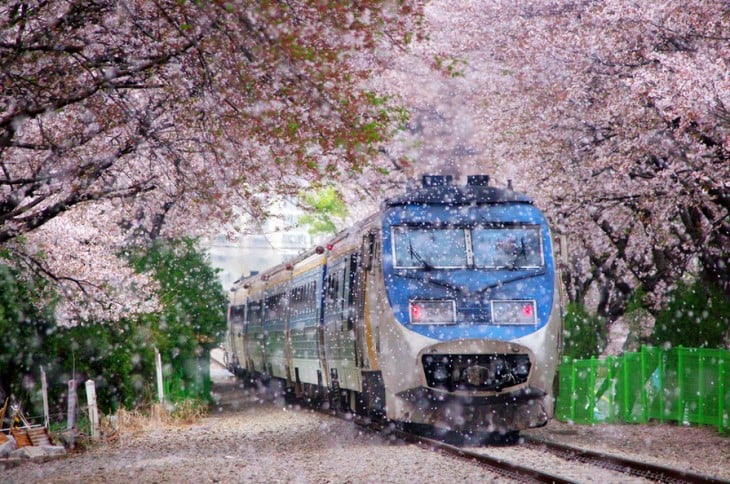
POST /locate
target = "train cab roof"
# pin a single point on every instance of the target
(440, 190)
(237, 296)
(312, 260)
(248, 286)
(350, 239)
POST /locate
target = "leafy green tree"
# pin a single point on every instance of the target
(192, 319)
(697, 316)
(26, 327)
(119, 355)
(322, 206)
(584, 335)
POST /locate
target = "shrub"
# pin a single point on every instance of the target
(26, 328)
(697, 316)
(584, 335)
(117, 355)
(193, 316)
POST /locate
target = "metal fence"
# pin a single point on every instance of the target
(685, 385)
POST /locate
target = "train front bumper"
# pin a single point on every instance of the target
(502, 413)
(478, 385)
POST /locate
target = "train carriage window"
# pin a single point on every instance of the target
(352, 290)
(294, 301)
(275, 308)
(332, 290)
(302, 301)
(254, 315)
(311, 291)
(336, 296)
(312, 296)
(341, 283)
(237, 314)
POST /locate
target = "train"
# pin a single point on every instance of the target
(442, 310)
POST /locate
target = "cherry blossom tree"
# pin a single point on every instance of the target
(645, 117)
(125, 120)
(613, 115)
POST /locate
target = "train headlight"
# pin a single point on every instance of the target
(432, 311)
(514, 312)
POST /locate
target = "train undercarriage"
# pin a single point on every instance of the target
(460, 419)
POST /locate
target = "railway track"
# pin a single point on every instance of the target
(527, 460)
(621, 464)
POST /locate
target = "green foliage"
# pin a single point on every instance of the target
(323, 204)
(26, 327)
(697, 316)
(584, 335)
(451, 66)
(192, 320)
(639, 321)
(118, 356)
(637, 300)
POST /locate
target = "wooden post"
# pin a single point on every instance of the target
(93, 410)
(160, 386)
(44, 390)
(71, 420)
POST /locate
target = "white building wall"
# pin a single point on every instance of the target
(279, 239)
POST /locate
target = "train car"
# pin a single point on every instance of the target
(348, 340)
(253, 329)
(440, 310)
(275, 322)
(307, 366)
(244, 341)
(472, 325)
(234, 343)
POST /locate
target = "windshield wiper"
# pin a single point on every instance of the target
(466, 290)
(538, 272)
(522, 252)
(437, 282)
(417, 256)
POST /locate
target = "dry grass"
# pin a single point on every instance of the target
(189, 411)
(157, 415)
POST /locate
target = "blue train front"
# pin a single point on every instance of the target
(466, 308)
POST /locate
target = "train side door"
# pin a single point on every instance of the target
(333, 299)
(356, 306)
(237, 351)
(254, 337)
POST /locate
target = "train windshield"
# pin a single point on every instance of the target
(427, 248)
(507, 247)
(488, 247)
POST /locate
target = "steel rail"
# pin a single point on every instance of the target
(494, 464)
(603, 460)
(623, 464)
